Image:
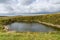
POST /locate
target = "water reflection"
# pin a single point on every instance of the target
(33, 27)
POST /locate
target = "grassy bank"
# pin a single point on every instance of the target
(49, 18)
(30, 36)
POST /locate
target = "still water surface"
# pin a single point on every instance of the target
(31, 27)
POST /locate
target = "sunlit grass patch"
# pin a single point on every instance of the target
(29, 36)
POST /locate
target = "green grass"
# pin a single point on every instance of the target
(49, 18)
(30, 36)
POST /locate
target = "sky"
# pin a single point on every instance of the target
(28, 6)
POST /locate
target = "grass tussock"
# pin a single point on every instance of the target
(30, 36)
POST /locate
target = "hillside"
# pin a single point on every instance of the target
(49, 18)
(12, 35)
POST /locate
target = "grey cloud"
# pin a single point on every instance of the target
(30, 6)
(27, 2)
(3, 1)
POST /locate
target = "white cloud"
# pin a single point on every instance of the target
(30, 6)
(3, 9)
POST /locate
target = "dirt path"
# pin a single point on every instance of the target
(49, 24)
